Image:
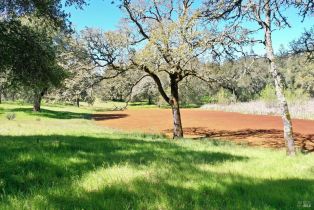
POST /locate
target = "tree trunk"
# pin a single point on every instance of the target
(37, 100)
(0, 94)
(149, 100)
(285, 115)
(174, 102)
(77, 101)
(177, 124)
(5, 95)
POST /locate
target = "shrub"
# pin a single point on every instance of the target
(225, 97)
(10, 116)
(268, 95)
(297, 96)
(208, 99)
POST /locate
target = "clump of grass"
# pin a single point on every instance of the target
(152, 136)
(10, 116)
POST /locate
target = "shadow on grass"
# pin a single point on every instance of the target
(242, 193)
(53, 114)
(99, 117)
(272, 138)
(141, 103)
(49, 166)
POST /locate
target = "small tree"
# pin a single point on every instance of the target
(145, 90)
(27, 47)
(33, 63)
(74, 59)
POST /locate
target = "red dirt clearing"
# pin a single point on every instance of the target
(257, 130)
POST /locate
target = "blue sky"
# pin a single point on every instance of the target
(99, 14)
(102, 14)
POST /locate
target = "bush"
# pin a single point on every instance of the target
(10, 116)
(297, 96)
(268, 95)
(208, 99)
(225, 97)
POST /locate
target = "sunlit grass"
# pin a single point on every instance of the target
(65, 161)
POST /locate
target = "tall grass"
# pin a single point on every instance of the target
(304, 110)
(65, 161)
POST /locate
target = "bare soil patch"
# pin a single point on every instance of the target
(255, 130)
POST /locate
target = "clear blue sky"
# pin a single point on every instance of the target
(102, 14)
(98, 14)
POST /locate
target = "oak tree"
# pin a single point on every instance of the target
(162, 38)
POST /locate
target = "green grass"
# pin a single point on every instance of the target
(59, 159)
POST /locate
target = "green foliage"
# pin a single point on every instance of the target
(208, 99)
(30, 55)
(70, 163)
(298, 73)
(268, 95)
(244, 77)
(225, 97)
(297, 96)
(48, 9)
(192, 91)
(29, 47)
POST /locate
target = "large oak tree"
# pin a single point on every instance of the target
(162, 38)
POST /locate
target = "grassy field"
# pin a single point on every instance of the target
(59, 159)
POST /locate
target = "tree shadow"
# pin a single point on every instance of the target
(1, 110)
(53, 114)
(33, 163)
(48, 166)
(99, 117)
(254, 137)
(229, 192)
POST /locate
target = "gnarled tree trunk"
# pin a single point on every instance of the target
(0, 98)
(78, 101)
(174, 103)
(37, 99)
(150, 101)
(177, 123)
(285, 114)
